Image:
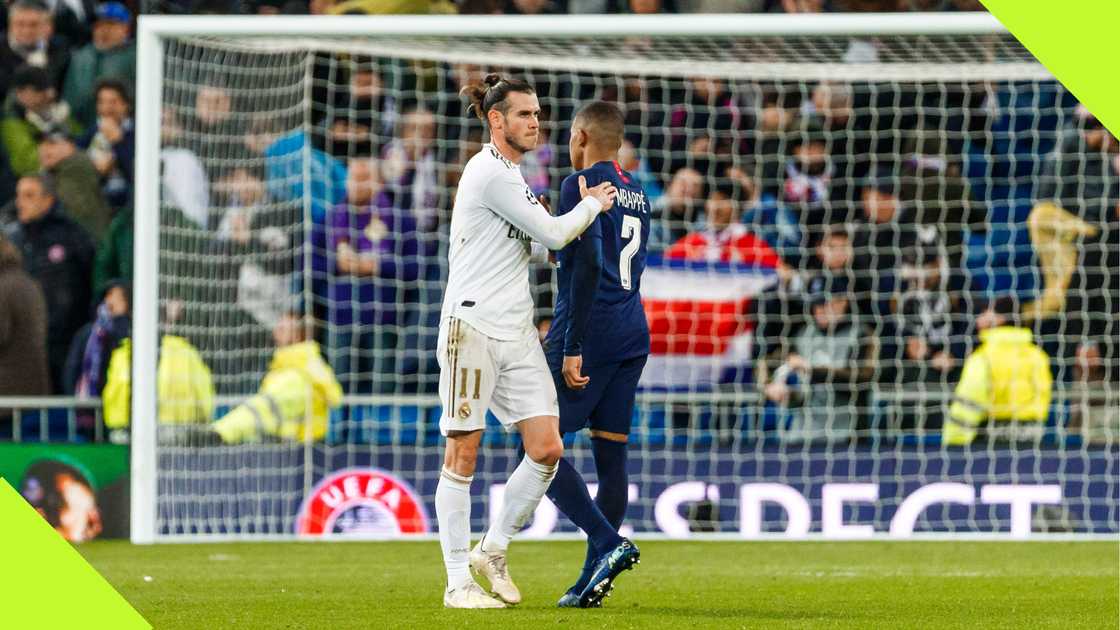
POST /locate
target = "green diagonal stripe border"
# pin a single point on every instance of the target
(45, 582)
(1076, 41)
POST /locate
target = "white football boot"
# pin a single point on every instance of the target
(469, 595)
(492, 566)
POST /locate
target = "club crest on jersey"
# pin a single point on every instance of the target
(464, 411)
(362, 502)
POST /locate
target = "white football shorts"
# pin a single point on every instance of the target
(477, 372)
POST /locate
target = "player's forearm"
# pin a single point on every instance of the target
(518, 206)
(557, 232)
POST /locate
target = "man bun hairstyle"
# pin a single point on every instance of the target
(605, 123)
(491, 93)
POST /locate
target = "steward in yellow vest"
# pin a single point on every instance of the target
(1006, 380)
(295, 397)
(185, 388)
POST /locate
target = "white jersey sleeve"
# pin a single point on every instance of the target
(511, 198)
(494, 222)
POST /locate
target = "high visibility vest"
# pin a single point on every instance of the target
(293, 403)
(185, 388)
(1006, 379)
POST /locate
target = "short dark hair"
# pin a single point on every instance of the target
(116, 85)
(492, 93)
(29, 5)
(604, 121)
(31, 76)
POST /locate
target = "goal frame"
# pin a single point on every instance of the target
(152, 31)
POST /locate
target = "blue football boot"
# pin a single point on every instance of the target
(614, 562)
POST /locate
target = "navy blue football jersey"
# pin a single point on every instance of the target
(602, 318)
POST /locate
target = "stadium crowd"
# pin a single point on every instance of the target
(873, 207)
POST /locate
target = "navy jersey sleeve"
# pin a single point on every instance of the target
(586, 262)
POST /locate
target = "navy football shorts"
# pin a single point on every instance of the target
(607, 403)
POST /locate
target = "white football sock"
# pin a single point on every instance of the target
(524, 490)
(453, 513)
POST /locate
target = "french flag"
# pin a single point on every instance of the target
(698, 324)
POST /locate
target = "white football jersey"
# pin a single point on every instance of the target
(494, 222)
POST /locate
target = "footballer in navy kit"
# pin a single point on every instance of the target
(597, 346)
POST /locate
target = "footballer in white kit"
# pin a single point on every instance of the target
(488, 351)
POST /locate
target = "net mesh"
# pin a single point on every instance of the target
(315, 176)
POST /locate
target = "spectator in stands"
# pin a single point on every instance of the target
(110, 143)
(111, 54)
(927, 343)
(76, 183)
(254, 245)
(638, 166)
(780, 313)
(408, 167)
(939, 197)
(34, 111)
(702, 126)
(1094, 412)
(366, 93)
(213, 131)
(1004, 391)
(824, 378)
(725, 239)
(771, 220)
(677, 211)
(285, 162)
(184, 180)
(807, 178)
(847, 131)
(88, 359)
(376, 252)
(113, 258)
(882, 233)
(775, 112)
(295, 396)
(30, 42)
(23, 328)
(58, 253)
(1074, 225)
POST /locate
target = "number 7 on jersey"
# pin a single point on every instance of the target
(631, 229)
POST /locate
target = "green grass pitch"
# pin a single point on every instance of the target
(678, 585)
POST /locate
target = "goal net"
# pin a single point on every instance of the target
(839, 207)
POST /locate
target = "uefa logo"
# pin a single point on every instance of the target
(362, 503)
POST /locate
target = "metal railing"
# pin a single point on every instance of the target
(69, 419)
(77, 419)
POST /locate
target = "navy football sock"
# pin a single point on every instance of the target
(569, 492)
(614, 485)
(612, 497)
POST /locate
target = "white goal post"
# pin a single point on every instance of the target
(451, 39)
